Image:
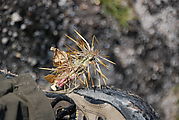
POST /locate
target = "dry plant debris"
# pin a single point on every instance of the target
(73, 68)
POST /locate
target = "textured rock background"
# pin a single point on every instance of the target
(146, 53)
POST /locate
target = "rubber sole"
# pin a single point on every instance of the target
(130, 106)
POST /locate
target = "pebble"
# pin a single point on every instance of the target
(4, 30)
(15, 34)
(32, 61)
(15, 17)
(62, 2)
(18, 55)
(23, 26)
(4, 40)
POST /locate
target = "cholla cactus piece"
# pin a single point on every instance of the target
(72, 68)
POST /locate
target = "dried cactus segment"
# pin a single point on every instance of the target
(72, 68)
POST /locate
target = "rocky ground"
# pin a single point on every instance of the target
(146, 52)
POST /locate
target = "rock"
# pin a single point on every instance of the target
(4, 40)
(170, 104)
(15, 17)
(163, 21)
(32, 61)
(125, 55)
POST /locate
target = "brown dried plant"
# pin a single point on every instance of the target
(73, 68)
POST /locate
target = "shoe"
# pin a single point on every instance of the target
(101, 104)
